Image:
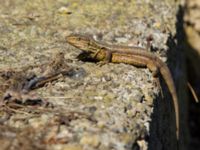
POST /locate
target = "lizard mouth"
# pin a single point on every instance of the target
(78, 41)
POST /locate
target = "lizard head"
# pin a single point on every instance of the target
(80, 41)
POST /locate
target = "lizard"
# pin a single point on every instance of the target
(136, 56)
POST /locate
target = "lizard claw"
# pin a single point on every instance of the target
(102, 63)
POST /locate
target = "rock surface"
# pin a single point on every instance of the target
(115, 106)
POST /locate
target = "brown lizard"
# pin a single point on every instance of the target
(130, 55)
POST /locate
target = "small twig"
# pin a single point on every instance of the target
(60, 97)
(18, 111)
(193, 92)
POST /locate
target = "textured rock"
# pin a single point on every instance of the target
(114, 106)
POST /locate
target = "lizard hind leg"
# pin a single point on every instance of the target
(154, 69)
(157, 83)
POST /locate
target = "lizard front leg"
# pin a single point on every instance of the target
(107, 56)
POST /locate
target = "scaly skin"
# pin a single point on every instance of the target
(130, 55)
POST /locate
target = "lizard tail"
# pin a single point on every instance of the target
(165, 72)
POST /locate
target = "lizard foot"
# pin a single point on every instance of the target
(157, 84)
